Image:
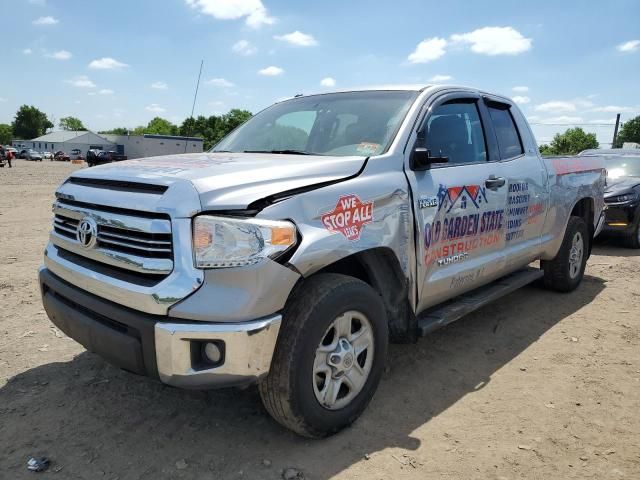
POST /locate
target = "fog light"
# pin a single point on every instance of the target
(206, 354)
(212, 352)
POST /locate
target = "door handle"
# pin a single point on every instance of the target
(494, 183)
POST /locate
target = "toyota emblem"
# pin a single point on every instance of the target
(87, 232)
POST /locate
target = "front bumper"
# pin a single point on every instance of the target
(160, 346)
(621, 219)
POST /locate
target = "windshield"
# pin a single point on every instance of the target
(623, 166)
(341, 124)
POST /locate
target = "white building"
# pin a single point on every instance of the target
(66, 141)
(140, 146)
(133, 146)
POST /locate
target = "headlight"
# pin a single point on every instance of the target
(220, 242)
(630, 197)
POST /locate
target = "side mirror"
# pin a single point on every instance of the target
(421, 159)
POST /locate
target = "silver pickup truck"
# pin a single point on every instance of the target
(311, 236)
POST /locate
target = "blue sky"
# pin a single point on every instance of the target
(120, 63)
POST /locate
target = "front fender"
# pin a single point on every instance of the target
(370, 211)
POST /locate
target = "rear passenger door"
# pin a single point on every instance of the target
(459, 205)
(527, 195)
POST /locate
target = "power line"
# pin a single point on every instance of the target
(575, 124)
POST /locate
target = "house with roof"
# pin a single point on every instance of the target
(133, 146)
(66, 141)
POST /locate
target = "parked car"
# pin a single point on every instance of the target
(23, 153)
(622, 196)
(47, 156)
(33, 155)
(76, 154)
(289, 257)
(60, 156)
(101, 157)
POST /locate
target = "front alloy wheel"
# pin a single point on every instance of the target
(343, 360)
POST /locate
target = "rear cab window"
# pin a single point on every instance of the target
(507, 135)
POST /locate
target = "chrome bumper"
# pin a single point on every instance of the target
(248, 347)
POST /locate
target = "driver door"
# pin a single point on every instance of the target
(459, 205)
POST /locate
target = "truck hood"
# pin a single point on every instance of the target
(230, 180)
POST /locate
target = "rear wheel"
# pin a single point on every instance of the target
(329, 358)
(564, 273)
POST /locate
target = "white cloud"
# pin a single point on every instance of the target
(564, 119)
(612, 109)
(328, 82)
(521, 99)
(253, 11)
(520, 89)
(60, 55)
(48, 20)
(155, 108)
(427, 50)
(630, 46)
(494, 41)
(2, 99)
(27, 51)
(271, 71)
(105, 91)
(610, 121)
(440, 78)
(556, 106)
(107, 63)
(220, 82)
(298, 39)
(159, 85)
(244, 47)
(81, 81)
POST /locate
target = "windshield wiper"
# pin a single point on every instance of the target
(284, 152)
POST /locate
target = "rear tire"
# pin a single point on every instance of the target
(306, 369)
(564, 273)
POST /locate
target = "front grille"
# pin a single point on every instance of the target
(126, 241)
(144, 244)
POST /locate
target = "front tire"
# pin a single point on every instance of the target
(633, 240)
(329, 357)
(564, 273)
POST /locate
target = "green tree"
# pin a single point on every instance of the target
(629, 132)
(235, 118)
(214, 127)
(71, 123)
(571, 142)
(5, 134)
(30, 122)
(116, 131)
(160, 126)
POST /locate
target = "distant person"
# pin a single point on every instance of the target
(9, 155)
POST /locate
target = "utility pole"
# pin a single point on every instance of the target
(615, 131)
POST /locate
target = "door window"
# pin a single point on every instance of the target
(454, 130)
(506, 132)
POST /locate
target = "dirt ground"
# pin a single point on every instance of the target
(537, 386)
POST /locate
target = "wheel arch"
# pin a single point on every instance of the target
(380, 268)
(585, 208)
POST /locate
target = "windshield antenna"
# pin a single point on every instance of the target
(195, 95)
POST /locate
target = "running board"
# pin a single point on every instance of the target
(449, 312)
